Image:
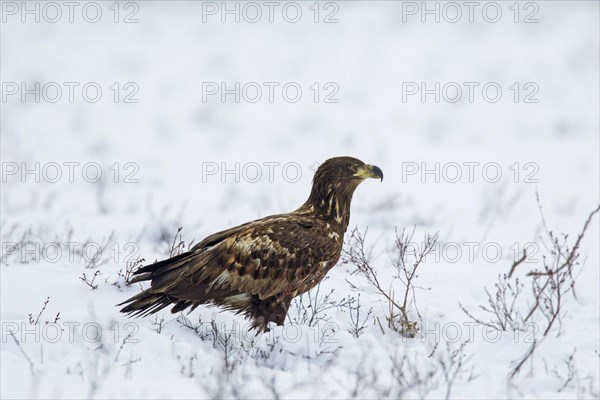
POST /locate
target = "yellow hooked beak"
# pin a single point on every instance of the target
(369, 171)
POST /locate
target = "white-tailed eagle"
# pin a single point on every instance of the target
(258, 268)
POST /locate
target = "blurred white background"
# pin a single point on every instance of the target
(175, 141)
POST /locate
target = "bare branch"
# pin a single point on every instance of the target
(398, 309)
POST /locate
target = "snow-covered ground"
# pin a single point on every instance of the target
(172, 154)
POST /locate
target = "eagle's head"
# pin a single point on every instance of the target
(347, 171)
(334, 184)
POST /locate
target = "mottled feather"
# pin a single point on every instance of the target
(257, 268)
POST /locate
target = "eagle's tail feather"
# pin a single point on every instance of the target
(146, 303)
(152, 300)
(161, 267)
(183, 304)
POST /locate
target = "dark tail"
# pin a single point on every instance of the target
(173, 283)
(156, 297)
(160, 268)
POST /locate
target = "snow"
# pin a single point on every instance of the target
(172, 160)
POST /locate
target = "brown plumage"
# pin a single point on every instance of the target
(258, 268)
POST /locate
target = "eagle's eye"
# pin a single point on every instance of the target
(351, 171)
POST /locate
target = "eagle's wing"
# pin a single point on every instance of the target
(262, 258)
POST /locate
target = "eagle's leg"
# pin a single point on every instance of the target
(272, 309)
